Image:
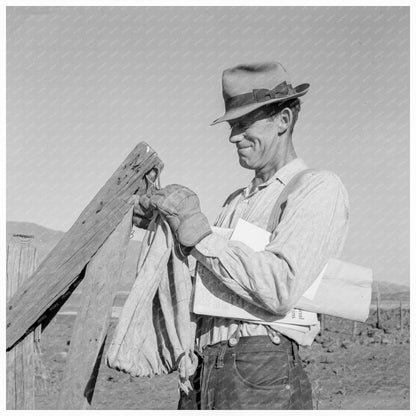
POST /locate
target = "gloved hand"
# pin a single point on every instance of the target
(142, 211)
(180, 206)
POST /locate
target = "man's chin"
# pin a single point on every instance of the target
(244, 163)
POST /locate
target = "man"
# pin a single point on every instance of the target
(245, 365)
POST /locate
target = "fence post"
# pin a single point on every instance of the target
(401, 318)
(354, 331)
(20, 379)
(93, 318)
(40, 297)
(379, 324)
(322, 319)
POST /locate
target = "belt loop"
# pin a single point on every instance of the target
(219, 362)
(235, 337)
(295, 349)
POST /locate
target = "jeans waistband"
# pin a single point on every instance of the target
(253, 344)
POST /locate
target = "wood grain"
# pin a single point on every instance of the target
(40, 297)
(20, 378)
(90, 328)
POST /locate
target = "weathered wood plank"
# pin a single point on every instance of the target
(61, 269)
(91, 325)
(20, 378)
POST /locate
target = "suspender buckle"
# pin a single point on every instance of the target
(275, 339)
(235, 337)
(273, 335)
(232, 342)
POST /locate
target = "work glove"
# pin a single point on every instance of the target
(180, 206)
(142, 211)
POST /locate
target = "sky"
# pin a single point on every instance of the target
(86, 84)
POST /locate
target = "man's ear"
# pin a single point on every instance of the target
(284, 119)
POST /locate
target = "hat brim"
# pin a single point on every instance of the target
(241, 111)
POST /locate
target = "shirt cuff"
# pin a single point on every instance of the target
(211, 246)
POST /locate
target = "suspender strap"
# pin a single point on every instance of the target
(274, 220)
(281, 202)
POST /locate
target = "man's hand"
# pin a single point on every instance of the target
(142, 211)
(181, 208)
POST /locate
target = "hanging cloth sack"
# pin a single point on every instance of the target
(155, 333)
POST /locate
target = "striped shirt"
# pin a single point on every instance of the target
(312, 230)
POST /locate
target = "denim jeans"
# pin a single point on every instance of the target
(254, 374)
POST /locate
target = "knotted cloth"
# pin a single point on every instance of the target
(155, 333)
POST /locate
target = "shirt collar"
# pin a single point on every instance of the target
(288, 171)
(283, 175)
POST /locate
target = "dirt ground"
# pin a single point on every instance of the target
(370, 372)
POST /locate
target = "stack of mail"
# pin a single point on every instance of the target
(342, 289)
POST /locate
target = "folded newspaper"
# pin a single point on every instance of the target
(342, 289)
(213, 298)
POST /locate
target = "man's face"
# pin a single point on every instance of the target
(255, 136)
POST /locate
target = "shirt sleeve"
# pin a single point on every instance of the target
(312, 230)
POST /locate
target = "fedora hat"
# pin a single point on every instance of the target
(247, 87)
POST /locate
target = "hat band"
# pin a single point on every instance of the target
(258, 96)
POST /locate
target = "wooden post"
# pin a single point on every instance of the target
(20, 379)
(57, 276)
(379, 324)
(401, 318)
(354, 330)
(91, 325)
(322, 330)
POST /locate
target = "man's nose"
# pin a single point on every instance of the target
(236, 136)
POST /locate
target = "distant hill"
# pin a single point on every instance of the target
(46, 239)
(390, 291)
